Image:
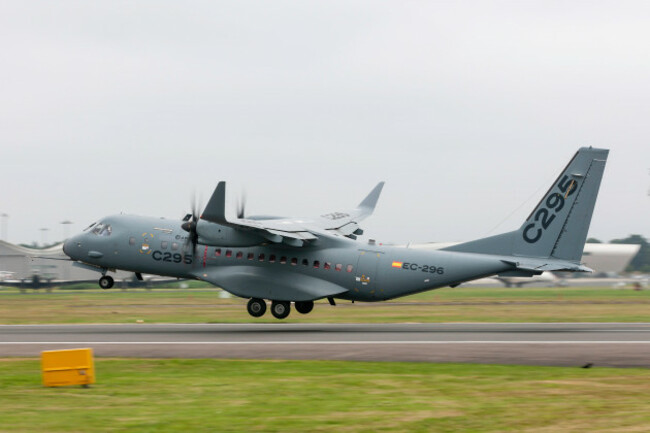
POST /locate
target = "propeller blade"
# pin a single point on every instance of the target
(193, 206)
(191, 243)
(241, 206)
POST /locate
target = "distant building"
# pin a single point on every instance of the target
(19, 263)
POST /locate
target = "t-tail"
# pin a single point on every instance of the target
(556, 231)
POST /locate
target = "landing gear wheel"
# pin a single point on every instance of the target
(256, 307)
(280, 309)
(304, 307)
(106, 282)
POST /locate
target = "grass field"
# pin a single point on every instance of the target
(318, 396)
(462, 304)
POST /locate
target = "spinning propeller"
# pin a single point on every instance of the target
(191, 222)
(190, 227)
(241, 205)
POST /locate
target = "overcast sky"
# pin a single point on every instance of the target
(468, 110)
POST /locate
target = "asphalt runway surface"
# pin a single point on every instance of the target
(561, 344)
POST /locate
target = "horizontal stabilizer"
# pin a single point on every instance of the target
(545, 265)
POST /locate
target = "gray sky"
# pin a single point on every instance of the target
(466, 109)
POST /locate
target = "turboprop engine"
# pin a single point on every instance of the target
(215, 234)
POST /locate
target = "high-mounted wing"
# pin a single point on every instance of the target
(293, 231)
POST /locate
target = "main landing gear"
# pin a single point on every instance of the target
(256, 307)
(106, 282)
(304, 307)
(280, 309)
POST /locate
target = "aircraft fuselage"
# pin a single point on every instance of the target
(363, 271)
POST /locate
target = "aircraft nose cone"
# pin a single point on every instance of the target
(68, 247)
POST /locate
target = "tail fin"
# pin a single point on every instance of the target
(558, 226)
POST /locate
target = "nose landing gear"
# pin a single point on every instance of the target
(106, 282)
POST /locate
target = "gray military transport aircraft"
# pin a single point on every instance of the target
(301, 260)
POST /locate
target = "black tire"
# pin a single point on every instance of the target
(106, 282)
(256, 307)
(304, 307)
(280, 309)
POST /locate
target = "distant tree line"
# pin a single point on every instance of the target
(640, 262)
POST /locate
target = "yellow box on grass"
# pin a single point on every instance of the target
(67, 367)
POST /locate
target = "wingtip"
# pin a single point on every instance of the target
(371, 199)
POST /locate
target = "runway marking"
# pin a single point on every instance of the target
(434, 324)
(265, 343)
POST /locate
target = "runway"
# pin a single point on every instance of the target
(565, 344)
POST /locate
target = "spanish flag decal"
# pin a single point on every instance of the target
(397, 264)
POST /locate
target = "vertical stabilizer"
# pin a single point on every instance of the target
(558, 226)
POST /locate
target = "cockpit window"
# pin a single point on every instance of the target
(102, 229)
(90, 226)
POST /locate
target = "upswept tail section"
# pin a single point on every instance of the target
(557, 228)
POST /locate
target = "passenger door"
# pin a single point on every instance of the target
(367, 273)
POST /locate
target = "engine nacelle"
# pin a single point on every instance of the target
(217, 235)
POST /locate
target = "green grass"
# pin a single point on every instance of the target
(319, 396)
(461, 304)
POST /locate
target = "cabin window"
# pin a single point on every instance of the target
(294, 261)
(251, 256)
(338, 267)
(349, 268)
(316, 264)
(217, 252)
(163, 245)
(240, 254)
(272, 258)
(174, 246)
(228, 253)
(327, 265)
(283, 260)
(131, 241)
(261, 257)
(305, 262)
